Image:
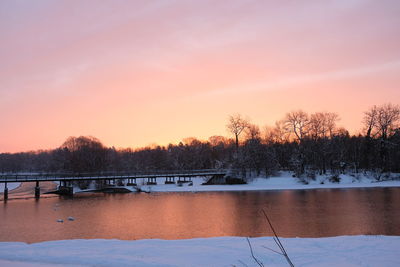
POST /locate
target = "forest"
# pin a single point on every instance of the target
(307, 144)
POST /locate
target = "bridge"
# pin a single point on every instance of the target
(108, 178)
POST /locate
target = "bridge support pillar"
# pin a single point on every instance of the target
(109, 182)
(169, 180)
(5, 192)
(66, 188)
(131, 182)
(182, 181)
(151, 181)
(37, 190)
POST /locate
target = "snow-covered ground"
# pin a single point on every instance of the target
(10, 186)
(218, 251)
(284, 181)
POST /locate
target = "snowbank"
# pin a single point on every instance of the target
(284, 181)
(220, 251)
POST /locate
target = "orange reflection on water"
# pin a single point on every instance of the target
(294, 213)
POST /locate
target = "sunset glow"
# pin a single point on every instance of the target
(133, 73)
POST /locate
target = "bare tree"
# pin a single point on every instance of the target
(216, 140)
(276, 134)
(369, 120)
(387, 120)
(253, 132)
(236, 125)
(331, 119)
(321, 129)
(322, 124)
(296, 122)
(381, 122)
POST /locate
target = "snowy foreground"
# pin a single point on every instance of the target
(219, 251)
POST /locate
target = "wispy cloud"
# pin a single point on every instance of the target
(305, 79)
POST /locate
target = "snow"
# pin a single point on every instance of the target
(219, 251)
(10, 186)
(281, 182)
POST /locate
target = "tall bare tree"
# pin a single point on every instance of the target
(322, 124)
(387, 120)
(236, 125)
(369, 121)
(253, 132)
(276, 134)
(296, 122)
(382, 122)
(321, 128)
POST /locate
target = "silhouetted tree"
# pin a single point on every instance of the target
(86, 154)
(236, 126)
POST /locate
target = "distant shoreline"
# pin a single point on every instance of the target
(256, 184)
(285, 182)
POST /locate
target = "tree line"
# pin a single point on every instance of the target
(307, 144)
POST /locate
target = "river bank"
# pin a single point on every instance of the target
(284, 181)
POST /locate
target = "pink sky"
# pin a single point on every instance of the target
(132, 73)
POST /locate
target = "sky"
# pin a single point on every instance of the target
(134, 73)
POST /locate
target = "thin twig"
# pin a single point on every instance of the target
(252, 254)
(277, 241)
(277, 252)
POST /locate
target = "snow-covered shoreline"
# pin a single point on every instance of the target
(283, 182)
(217, 251)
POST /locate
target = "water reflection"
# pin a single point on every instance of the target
(302, 213)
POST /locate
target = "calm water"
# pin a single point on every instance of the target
(302, 213)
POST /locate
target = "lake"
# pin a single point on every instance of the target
(294, 213)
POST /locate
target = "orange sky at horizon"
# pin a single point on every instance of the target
(133, 73)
